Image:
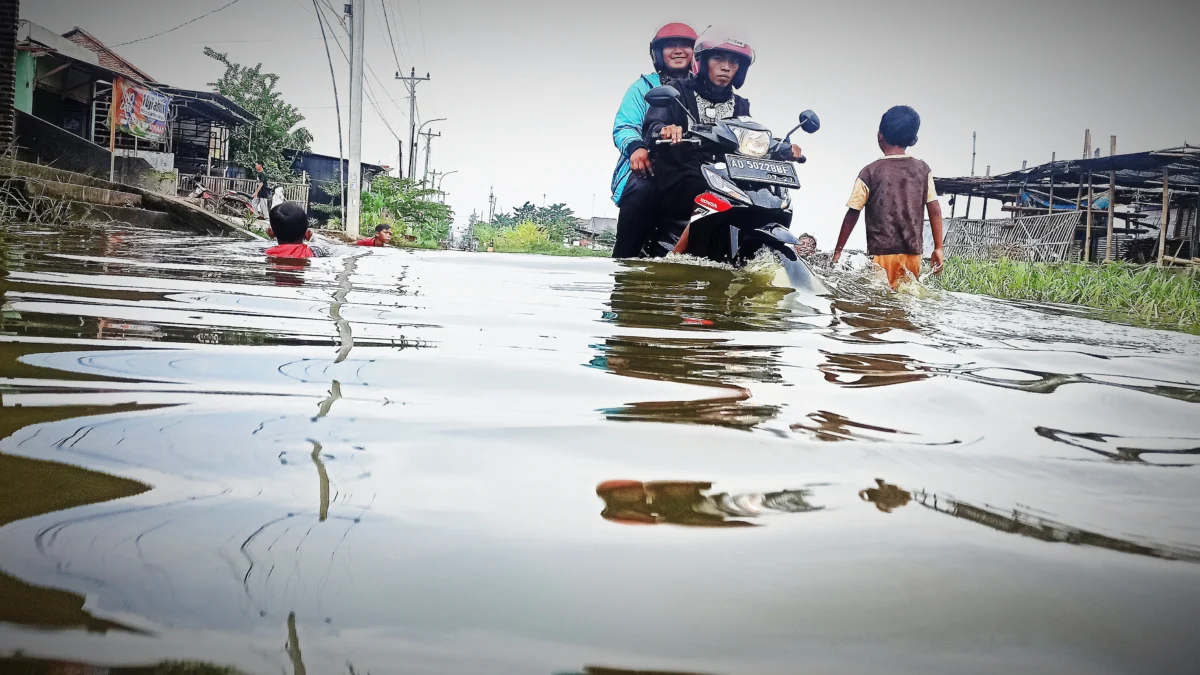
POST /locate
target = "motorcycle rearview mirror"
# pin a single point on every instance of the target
(666, 95)
(662, 97)
(809, 122)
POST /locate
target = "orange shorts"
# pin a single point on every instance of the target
(899, 266)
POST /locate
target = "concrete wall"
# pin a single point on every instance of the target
(39, 142)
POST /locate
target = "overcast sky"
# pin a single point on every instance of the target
(530, 88)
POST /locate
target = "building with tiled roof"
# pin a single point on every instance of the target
(108, 58)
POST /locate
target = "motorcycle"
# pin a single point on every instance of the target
(747, 207)
(231, 203)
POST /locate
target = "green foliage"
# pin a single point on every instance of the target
(278, 126)
(403, 203)
(1162, 297)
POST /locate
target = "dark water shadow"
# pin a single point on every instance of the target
(32, 487)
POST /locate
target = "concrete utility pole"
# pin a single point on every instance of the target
(356, 94)
(411, 82)
(491, 204)
(429, 136)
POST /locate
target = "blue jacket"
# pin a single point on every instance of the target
(627, 129)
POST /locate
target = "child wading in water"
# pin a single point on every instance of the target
(383, 237)
(896, 191)
(289, 227)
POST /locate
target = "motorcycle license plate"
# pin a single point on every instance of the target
(762, 171)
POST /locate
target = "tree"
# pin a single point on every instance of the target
(278, 128)
(402, 202)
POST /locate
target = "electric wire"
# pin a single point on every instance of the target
(337, 106)
(391, 40)
(171, 30)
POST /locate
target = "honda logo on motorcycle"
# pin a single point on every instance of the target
(710, 201)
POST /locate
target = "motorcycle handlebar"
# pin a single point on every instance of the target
(693, 141)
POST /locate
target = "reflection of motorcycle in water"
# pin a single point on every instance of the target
(685, 503)
(746, 209)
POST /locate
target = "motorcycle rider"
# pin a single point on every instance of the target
(632, 186)
(721, 65)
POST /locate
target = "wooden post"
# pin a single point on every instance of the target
(953, 205)
(1053, 158)
(1195, 240)
(1165, 220)
(968, 214)
(1087, 236)
(1112, 201)
(1087, 143)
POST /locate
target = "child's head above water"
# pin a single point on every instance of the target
(899, 127)
(289, 224)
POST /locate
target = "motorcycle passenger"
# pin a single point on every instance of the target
(632, 186)
(720, 67)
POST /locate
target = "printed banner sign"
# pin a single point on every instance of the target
(140, 111)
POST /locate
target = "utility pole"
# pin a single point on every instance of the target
(411, 82)
(491, 204)
(429, 136)
(356, 94)
(399, 158)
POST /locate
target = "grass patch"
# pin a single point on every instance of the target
(1167, 297)
(552, 248)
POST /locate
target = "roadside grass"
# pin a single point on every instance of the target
(553, 248)
(1168, 297)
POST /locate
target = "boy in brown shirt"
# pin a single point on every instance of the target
(896, 191)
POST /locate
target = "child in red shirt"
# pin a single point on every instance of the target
(383, 237)
(289, 227)
(896, 191)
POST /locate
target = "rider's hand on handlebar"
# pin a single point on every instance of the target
(639, 162)
(673, 133)
(796, 152)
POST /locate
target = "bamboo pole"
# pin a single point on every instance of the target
(1112, 201)
(1087, 236)
(1166, 218)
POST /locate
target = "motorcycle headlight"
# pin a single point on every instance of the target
(753, 143)
(718, 183)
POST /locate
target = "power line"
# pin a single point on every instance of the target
(338, 107)
(369, 93)
(391, 40)
(421, 22)
(402, 23)
(170, 30)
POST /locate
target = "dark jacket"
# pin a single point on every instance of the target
(675, 163)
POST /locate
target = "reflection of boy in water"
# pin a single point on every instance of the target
(684, 503)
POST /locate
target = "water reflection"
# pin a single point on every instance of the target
(709, 363)
(1125, 449)
(888, 497)
(686, 503)
(673, 295)
(323, 492)
(32, 488)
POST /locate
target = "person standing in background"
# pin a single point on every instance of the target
(262, 196)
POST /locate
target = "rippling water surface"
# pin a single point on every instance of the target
(438, 462)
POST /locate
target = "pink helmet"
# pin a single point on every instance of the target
(718, 40)
(671, 31)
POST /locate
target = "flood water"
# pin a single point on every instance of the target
(438, 462)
